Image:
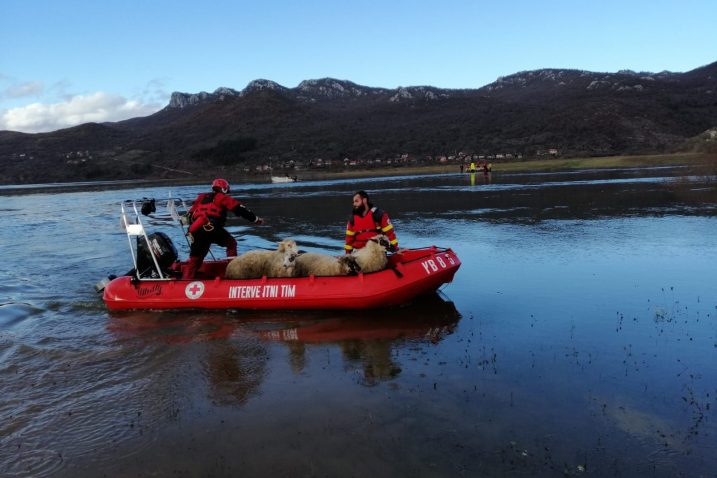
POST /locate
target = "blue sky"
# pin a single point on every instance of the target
(67, 62)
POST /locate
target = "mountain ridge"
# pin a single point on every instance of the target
(229, 131)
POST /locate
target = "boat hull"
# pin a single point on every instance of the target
(411, 273)
(282, 179)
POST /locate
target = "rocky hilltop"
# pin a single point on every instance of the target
(310, 91)
(331, 123)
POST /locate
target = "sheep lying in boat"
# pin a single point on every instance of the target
(372, 256)
(255, 264)
(318, 264)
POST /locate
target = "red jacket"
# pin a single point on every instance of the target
(362, 228)
(211, 208)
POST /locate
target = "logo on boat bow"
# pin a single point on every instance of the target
(194, 290)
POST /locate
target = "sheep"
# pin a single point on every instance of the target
(318, 264)
(372, 256)
(255, 264)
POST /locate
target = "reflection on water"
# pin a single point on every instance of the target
(235, 370)
(579, 338)
(236, 356)
(483, 178)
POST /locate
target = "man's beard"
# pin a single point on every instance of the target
(359, 210)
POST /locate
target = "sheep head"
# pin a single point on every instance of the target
(349, 264)
(381, 240)
(290, 250)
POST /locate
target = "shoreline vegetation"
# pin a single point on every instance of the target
(697, 160)
(697, 163)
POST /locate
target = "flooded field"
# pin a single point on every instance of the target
(579, 338)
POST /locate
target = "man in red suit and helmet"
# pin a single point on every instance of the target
(206, 218)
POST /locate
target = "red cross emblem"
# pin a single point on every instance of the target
(194, 290)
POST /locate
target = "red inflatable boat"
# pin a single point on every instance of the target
(410, 273)
(153, 283)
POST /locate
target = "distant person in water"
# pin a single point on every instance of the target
(366, 222)
(206, 219)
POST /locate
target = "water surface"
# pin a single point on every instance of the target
(579, 337)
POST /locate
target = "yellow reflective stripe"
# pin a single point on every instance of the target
(350, 233)
(348, 248)
(387, 228)
(394, 242)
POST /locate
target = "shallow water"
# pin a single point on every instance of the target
(579, 337)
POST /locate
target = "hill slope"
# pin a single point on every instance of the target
(229, 132)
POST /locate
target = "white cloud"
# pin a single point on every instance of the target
(98, 107)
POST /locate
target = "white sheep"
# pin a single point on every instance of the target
(255, 264)
(372, 256)
(318, 264)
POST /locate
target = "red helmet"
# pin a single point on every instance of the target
(220, 185)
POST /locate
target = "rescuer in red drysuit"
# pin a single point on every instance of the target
(206, 218)
(367, 221)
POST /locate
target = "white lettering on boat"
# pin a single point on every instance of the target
(244, 291)
(261, 292)
(431, 265)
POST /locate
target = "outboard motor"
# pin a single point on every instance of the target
(163, 249)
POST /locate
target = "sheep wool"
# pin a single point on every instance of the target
(318, 264)
(372, 256)
(255, 264)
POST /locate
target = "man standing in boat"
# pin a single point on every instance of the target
(367, 221)
(206, 219)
